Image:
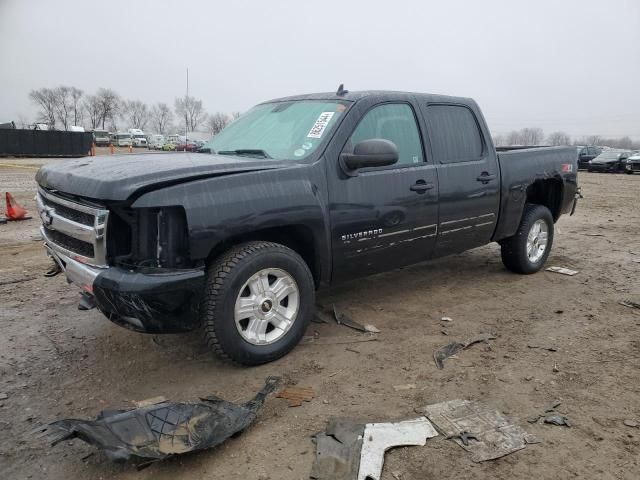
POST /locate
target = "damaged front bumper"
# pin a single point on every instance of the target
(150, 301)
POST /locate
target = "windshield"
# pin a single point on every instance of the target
(281, 131)
(608, 155)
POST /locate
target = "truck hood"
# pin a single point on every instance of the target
(119, 177)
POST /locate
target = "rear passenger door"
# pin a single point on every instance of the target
(468, 177)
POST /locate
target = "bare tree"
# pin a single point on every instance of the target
(499, 140)
(93, 107)
(592, 140)
(110, 105)
(532, 136)
(216, 122)
(525, 136)
(23, 122)
(513, 138)
(191, 110)
(161, 117)
(45, 98)
(62, 105)
(136, 113)
(76, 105)
(559, 138)
(235, 116)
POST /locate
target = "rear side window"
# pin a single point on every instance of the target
(454, 134)
(394, 122)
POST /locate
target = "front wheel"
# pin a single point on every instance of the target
(258, 301)
(527, 251)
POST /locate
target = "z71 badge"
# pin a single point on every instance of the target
(359, 235)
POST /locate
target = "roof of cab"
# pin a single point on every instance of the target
(355, 96)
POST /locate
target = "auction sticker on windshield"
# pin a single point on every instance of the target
(321, 124)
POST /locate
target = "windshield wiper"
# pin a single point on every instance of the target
(249, 152)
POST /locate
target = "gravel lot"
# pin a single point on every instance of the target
(558, 337)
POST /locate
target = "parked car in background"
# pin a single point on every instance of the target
(169, 147)
(633, 163)
(121, 139)
(101, 138)
(156, 142)
(587, 153)
(190, 146)
(138, 136)
(609, 161)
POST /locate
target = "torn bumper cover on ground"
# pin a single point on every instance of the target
(161, 430)
(348, 450)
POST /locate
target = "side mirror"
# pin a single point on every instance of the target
(375, 152)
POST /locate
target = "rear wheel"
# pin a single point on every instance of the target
(258, 302)
(527, 251)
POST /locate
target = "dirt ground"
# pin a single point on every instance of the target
(57, 362)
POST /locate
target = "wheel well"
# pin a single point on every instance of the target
(298, 238)
(548, 193)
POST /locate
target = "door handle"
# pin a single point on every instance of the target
(421, 186)
(485, 177)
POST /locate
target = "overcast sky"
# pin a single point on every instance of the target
(556, 64)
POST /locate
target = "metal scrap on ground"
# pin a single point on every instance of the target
(296, 395)
(161, 430)
(348, 450)
(452, 348)
(343, 319)
(630, 304)
(477, 428)
(550, 415)
(563, 271)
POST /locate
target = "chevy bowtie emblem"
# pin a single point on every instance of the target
(46, 217)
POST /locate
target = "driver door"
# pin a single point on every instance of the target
(384, 217)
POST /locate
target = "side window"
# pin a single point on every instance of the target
(396, 123)
(454, 134)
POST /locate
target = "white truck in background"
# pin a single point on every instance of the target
(139, 138)
(122, 139)
(156, 142)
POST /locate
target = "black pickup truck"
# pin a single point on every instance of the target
(297, 193)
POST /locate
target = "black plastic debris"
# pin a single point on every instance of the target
(452, 348)
(338, 450)
(161, 430)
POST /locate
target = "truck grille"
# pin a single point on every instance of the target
(69, 243)
(70, 213)
(74, 229)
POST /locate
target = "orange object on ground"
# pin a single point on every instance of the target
(111, 148)
(93, 149)
(130, 148)
(14, 210)
(296, 395)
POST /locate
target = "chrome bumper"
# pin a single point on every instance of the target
(76, 272)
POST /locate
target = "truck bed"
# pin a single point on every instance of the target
(521, 168)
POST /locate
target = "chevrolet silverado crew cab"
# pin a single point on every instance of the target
(297, 193)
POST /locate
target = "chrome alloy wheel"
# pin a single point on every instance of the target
(267, 306)
(537, 240)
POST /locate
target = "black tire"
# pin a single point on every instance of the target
(629, 172)
(514, 249)
(227, 275)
